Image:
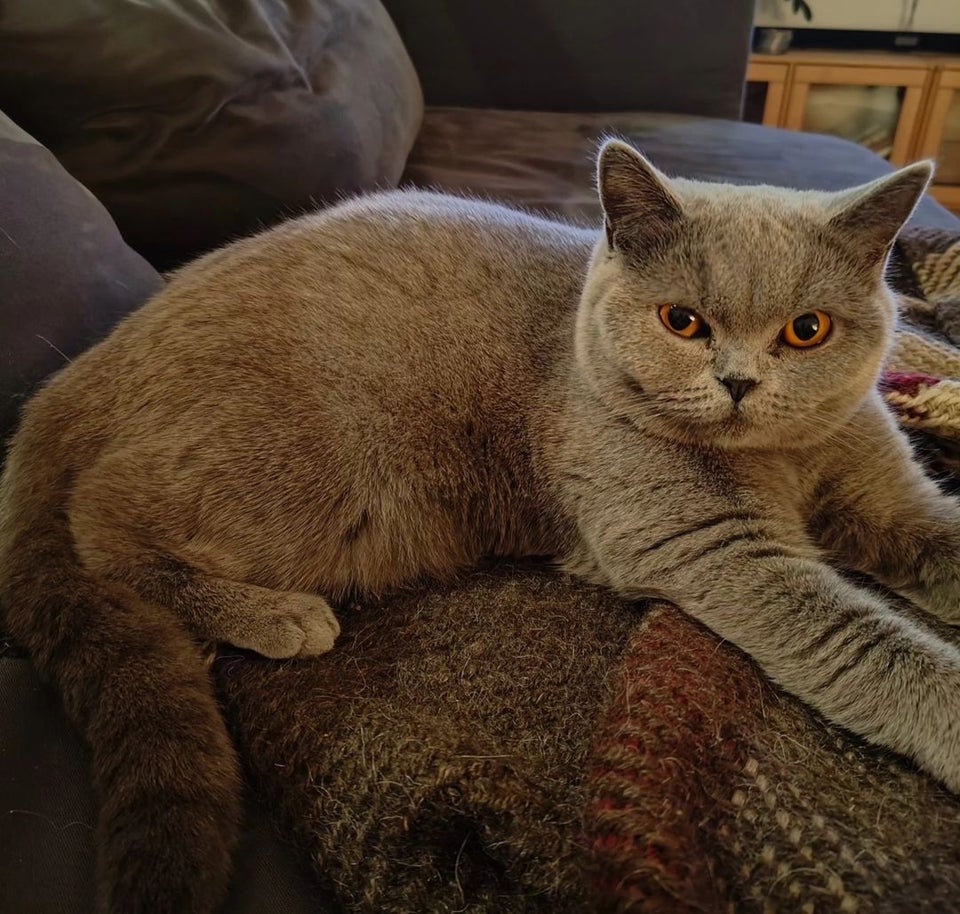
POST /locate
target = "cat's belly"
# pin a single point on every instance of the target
(333, 513)
(339, 424)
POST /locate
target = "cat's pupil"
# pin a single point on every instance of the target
(806, 327)
(680, 319)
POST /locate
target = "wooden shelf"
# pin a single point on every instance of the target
(927, 84)
(911, 60)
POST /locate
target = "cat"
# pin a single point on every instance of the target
(680, 405)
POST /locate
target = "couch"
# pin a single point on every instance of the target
(516, 97)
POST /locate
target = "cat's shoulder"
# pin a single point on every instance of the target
(427, 210)
(396, 222)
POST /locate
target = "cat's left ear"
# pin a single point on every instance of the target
(870, 216)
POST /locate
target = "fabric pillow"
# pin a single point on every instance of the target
(195, 122)
(682, 56)
(66, 276)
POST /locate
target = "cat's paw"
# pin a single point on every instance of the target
(297, 625)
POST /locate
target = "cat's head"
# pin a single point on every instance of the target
(739, 317)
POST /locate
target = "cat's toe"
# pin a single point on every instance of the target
(299, 625)
(320, 630)
(282, 639)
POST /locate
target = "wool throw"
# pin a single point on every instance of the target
(517, 741)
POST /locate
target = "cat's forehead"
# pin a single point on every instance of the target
(760, 257)
(755, 225)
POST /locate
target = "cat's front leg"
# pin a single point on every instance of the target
(745, 567)
(836, 646)
(876, 511)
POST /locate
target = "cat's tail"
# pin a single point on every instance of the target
(134, 683)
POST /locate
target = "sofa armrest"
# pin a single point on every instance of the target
(685, 56)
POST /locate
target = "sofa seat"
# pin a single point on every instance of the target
(544, 161)
(541, 161)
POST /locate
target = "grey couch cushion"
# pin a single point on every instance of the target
(196, 122)
(48, 819)
(66, 276)
(685, 56)
(545, 161)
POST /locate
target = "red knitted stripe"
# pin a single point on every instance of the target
(907, 384)
(674, 736)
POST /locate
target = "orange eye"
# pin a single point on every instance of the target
(807, 330)
(682, 321)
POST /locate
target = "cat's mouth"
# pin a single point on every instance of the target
(734, 427)
(712, 423)
(734, 422)
(734, 416)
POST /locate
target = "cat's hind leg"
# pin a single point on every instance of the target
(123, 533)
(274, 623)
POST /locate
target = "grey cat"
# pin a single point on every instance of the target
(384, 392)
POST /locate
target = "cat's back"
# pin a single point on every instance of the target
(380, 285)
(403, 344)
(402, 247)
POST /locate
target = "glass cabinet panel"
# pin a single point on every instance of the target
(876, 103)
(868, 115)
(941, 136)
(949, 153)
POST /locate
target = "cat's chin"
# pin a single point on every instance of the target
(732, 433)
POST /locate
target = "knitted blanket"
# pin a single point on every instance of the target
(437, 759)
(518, 741)
(922, 380)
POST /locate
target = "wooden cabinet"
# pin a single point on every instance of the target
(875, 102)
(903, 106)
(766, 91)
(940, 137)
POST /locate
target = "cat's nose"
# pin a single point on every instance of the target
(738, 388)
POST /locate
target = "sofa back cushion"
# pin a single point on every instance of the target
(66, 276)
(684, 56)
(196, 122)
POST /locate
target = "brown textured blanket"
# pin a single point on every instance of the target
(521, 742)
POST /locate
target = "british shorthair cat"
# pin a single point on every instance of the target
(682, 405)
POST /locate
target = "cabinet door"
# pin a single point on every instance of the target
(879, 15)
(765, 92)
(941, 137)
(877, 106)
(936, 16)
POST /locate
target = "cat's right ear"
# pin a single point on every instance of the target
(871, 215)
(640, 209)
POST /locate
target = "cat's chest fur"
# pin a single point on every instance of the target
(658, 504)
